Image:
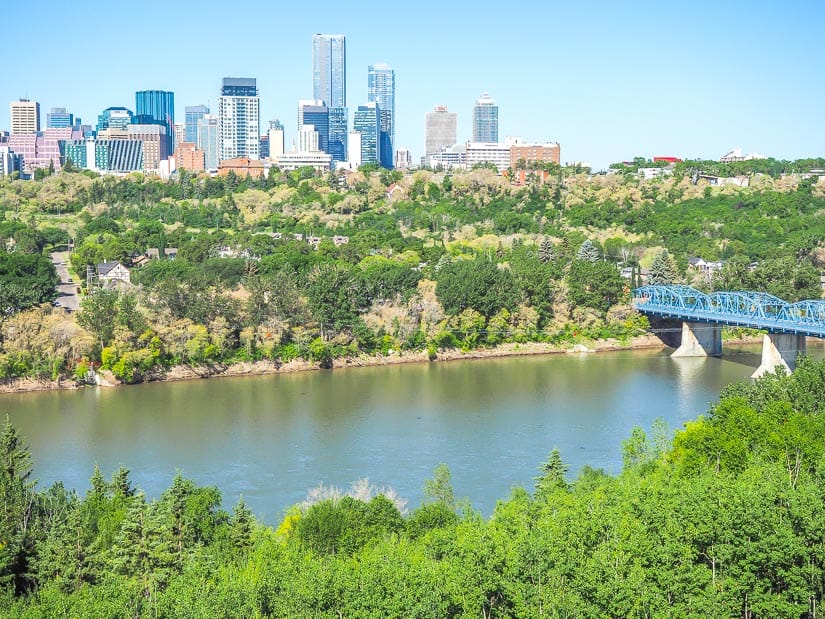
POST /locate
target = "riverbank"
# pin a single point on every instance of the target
(265, 367)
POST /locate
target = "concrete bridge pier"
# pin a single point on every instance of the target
(700, 339)
(780, 349)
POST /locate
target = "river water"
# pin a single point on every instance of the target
(271, 438)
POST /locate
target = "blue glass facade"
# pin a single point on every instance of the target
(485, 120)
(59, 118)
(114, 118)
(159, 105)
(317, 116)
(381, 90)
(193, 114)
(329, 69)
(367, 120)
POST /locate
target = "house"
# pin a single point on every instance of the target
(110, 273)
(170, 253)
(698, 264)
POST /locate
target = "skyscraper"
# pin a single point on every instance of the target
(276, 138)
(329, 84)
(367, 121)
(485, 119)
(59, 118)
(159, 105)
(239, 117)
(25, 116)
(315, 113)
(193, 113)
(208, 139)
(114, 118)
(440, 130)
(381, 89)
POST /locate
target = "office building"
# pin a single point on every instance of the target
(119, 155)
(403, 159)
(155, 144)
(528, 153)
(159, 106)
(25, 117)
(488, 152)
(239, 119)
(114, 118)
(42, 149)
(315, 113)
(329, 84)
(193, 113)
(276, 139)
(441, 130)
(381, 90)
(263, 148)
(308, 140)
(59, 118)
(354, 149)
(302, 159)
(189, 157)
(10, 162)
(180, 134)
(209, 139)
(367, 121)
(485, 120)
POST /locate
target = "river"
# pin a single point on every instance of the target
(271, 438)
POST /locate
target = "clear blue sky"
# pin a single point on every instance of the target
(609, 80)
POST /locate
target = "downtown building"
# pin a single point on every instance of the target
(381, 90)
(157, 107)
(485, 120)
(25, 116)
(367, 122)
(440, 131)
(59, 118)
(208, 141)
(239, 119)
(192, 114)
(329, 84)
(315, 114)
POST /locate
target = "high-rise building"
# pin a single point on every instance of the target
(308, 139)
(315, 113)
(367, 121)
(276, 139)
(25, 116)
(354, 148)
(159, 105)
(59, 118)
(403, 158)
(440, 130)
(114, 118)
(192, 114)
(381, 89)
(155, 142)
(239, 119)
(189, 157)
(329, 84)
(485, 120)
(209, 139)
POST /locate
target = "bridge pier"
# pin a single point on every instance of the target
(700, 339)
(780, 349)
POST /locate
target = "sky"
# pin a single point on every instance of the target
(607, 80)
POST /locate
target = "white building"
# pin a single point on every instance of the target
(308, 139)
(488, 152)
(276, 143)
(25, 116)
(296, 159)
(239, 119)
(354, 149)
(452, 157)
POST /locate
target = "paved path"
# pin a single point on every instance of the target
(67, 288)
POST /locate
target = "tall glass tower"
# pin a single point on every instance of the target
(159, 105)
(485, 119)
(193, 114)
(329, 84)
(368, 122)
(381, 90)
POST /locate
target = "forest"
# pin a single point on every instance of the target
(721, 518)
(317, 267)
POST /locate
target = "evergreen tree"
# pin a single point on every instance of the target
(663, 271)
(241, 526)
(552, 475)
(588, 252)
(547, 253)
(121, 484)
(17, 503)
(66, 557)
(143, 549)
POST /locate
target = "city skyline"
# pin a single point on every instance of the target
(607, 82)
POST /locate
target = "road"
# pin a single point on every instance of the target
(67, 296)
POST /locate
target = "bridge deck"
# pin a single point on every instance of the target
(743, 309)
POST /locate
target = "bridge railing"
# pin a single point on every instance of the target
(758, 310)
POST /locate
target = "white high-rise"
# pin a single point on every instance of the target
(239, 118)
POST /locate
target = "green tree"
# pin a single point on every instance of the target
(547, 251)
(98, 310)
(335, 296)
(663, 270)
(588, 252)
(25, 281)
(597, 285)
(439, 489)
(552, 475)
(477, 284)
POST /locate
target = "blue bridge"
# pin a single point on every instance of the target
(703, 315)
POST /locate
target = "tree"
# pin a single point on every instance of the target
(547, 252)
(478, 284)
(552, 476)
(588, 252)
(241, 526)
(439, 489)
(663, 270)
(25, 281)
(17, 505)
(97, 314)
(335, 296)
(597, 285)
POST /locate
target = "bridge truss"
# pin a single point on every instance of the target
(756, 310)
